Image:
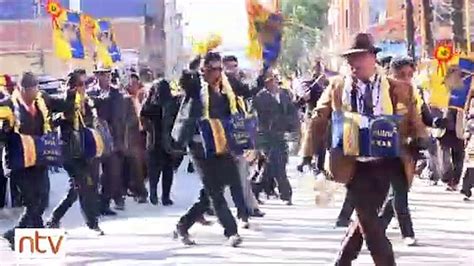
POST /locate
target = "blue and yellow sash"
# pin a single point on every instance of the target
(233, 134)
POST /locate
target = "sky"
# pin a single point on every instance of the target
(225, 17)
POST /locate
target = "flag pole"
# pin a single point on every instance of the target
(468, 26)
(277, 5)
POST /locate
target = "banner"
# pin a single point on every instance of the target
(358, 135)
(67, 37)
(107, 49)
(264, 33)
(459, 96)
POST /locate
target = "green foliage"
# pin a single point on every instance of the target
(304, 20)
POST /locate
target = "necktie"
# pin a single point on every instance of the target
(368, 101)
(354, 100)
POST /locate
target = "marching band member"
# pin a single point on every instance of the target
(277, 115)
(367, 91)
(79, 112)
(451, 141)
(208, 95)
(32, 117)
(111, 108)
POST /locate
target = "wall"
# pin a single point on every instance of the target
(22, 9)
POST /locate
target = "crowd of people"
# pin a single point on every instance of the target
(153, 128)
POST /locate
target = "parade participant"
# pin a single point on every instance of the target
(32, 118)
(368, 178)
(313, 89)
(111, 107)
(159, 112)
(451, 142)
(4, 93)
(208, 95)
(468, 172)
(78, 112)
(134, 164)
(235, 76)
(402, 69)
(277, 115)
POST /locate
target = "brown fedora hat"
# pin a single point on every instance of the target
(363, 43)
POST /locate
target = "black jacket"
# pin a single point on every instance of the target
(159, 117)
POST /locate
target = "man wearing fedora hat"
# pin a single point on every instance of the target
(112, 109)
(369, 92)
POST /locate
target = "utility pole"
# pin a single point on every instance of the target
(427, 21)
(458, 24)
(468, 6)
(40, 55)
(157, 45)
(410, 28)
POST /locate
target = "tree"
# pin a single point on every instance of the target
(302, 33)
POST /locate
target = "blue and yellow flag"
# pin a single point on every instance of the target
(108, 51)
(459, 96)
(67, 36)
(264, 33)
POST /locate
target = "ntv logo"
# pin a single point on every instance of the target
(40, 243)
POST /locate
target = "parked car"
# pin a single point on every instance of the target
(51, 85)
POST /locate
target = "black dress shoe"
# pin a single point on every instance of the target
(120, 204)
(257, 213)
(97, 229)
(167, 202)
(141, 199)
(10, 237)
(108, 212)
(53, 224)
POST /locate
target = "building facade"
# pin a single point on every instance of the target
(26, 32)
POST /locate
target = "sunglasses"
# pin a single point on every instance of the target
(214, 69)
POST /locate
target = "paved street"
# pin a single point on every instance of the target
(302, 234)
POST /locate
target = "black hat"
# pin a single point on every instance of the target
(363, 43)
(29, 80)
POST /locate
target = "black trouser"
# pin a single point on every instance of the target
(16, 197)
(467, 182)
(160, 163)
(33, 185)
(321, 159)
(347, 209)
(111, 178)
(276, 152)
(452, 160)
(196, 211)
(82, 184)
(397, 203)
(3, 190)
(134, 175)
(216, 173)
(368, 190)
